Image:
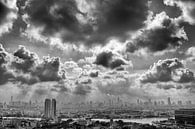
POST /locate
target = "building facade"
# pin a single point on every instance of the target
(50, 108)
(53, 108)
(47, 111)
(185, 116)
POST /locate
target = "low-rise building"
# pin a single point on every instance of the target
(185, 116)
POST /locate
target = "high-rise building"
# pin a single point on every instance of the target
(189, 102)
(53, 108)
(169, 101)
(138, 101)
(50, 108)
(118, 100)
(150, 101)
(11, 101)
(47, 112)
(162, 102)
(155, 103)
(11, 98)
(179, 102)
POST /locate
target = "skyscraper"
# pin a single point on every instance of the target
(11, 98)
(47, 112)
(50, 108)
(138, 101)
(179, 102)
(53, 108)
(11, 101)
(169, 101)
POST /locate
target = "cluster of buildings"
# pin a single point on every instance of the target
(120, 104)
(17, 108)
(168, 102)
(183, 119)
(18, 104)
(185, 116)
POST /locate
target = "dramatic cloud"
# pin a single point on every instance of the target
(187, 7)
(25, 67)
(4, 74)
(161, 33)
(24, 60)
(167, 70)
(85, 21)
(46, 77)
(49, 69)
(110, 60)
(99, 38)
(8, 13)
(191, 54)
(191, 51)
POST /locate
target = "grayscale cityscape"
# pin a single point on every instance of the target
(97, 64)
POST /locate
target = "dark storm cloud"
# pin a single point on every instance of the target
(168, 70)
(104, 59)
(48, 69)
(3, 11)
(8, 13)
(187, 7)
(162, 33)
(25, 67)
(94, 74)
(117, 17)
(157, 6)
(109, 60)
(95, 22)
(55, 16)
(24, 59)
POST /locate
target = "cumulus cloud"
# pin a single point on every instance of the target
(161, 33)
(25, 67)
(4, 74)
(95, 84)
(8, 13)
(111, 60)
(24, 59)
(48, 69)
(190, 53)
(187, 7)
(89, 22)
(168, 70)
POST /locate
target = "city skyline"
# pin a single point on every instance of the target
(80, 50)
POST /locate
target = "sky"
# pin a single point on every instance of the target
(94, 50)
